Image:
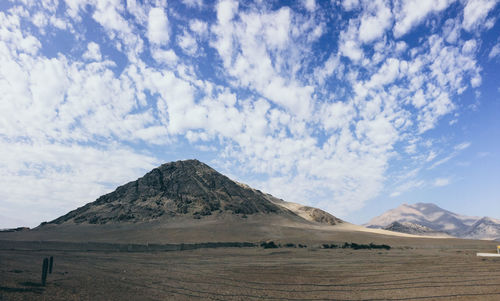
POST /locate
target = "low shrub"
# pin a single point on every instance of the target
(370, 246)
(268, 245)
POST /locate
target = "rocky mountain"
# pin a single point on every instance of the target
(187, 188)
(484, 228)
(411, 228)
(439, 220)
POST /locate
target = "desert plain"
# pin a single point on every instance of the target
(413, 269)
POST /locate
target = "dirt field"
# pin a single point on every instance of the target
(253, 274)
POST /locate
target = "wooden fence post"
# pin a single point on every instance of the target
(51, 263)
(44, 270)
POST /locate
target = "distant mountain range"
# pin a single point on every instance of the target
(429, 219)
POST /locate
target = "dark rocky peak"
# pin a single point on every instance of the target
(187, 187)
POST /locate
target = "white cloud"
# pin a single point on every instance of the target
(138, 11)
(40, 20)
(158, 26)
(475, 12)
(331, 66)
(352, 50)
(93, 52)
(337, 115)
(495, 51)
(407, 186)
(193, 3)
(59, 23)
(199, 27)
(462, 146)
(451, 30)
(370, 25)
(226, 9)
(456, 150)
(310, 5)
(15, 38)
(440, 182)
(349, 5)
(469, 47)
(411, 13)
(387, 74)
(188, 43)
(376, 20)
(247, 59)
(165, 56)
(431, 156)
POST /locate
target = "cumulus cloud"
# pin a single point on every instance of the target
(411, 13)
(93, 52)
(165, 56)
(310, 5)
(318, 109)
(476, 11)
(158, 26)
(375, 21)
(188, 43)
(198, 27)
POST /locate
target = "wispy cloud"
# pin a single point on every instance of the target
(456, 150)
(440, 182)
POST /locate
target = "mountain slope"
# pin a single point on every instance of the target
(439, 220)
(306, 212)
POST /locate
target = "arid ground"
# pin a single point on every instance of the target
(438, 271)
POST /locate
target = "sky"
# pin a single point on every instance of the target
(351, 106)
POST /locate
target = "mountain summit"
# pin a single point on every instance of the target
(187, 188)
(435, 219)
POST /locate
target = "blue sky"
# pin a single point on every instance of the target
(351, 106)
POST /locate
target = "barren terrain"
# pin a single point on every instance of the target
(447, 269)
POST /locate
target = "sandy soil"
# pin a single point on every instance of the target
(428, 273)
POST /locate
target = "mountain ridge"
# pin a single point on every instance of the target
(437, 219)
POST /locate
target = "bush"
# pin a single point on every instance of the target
(268, 245)
(356, 246)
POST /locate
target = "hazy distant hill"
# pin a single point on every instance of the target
(486, 227)
(437, 219)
